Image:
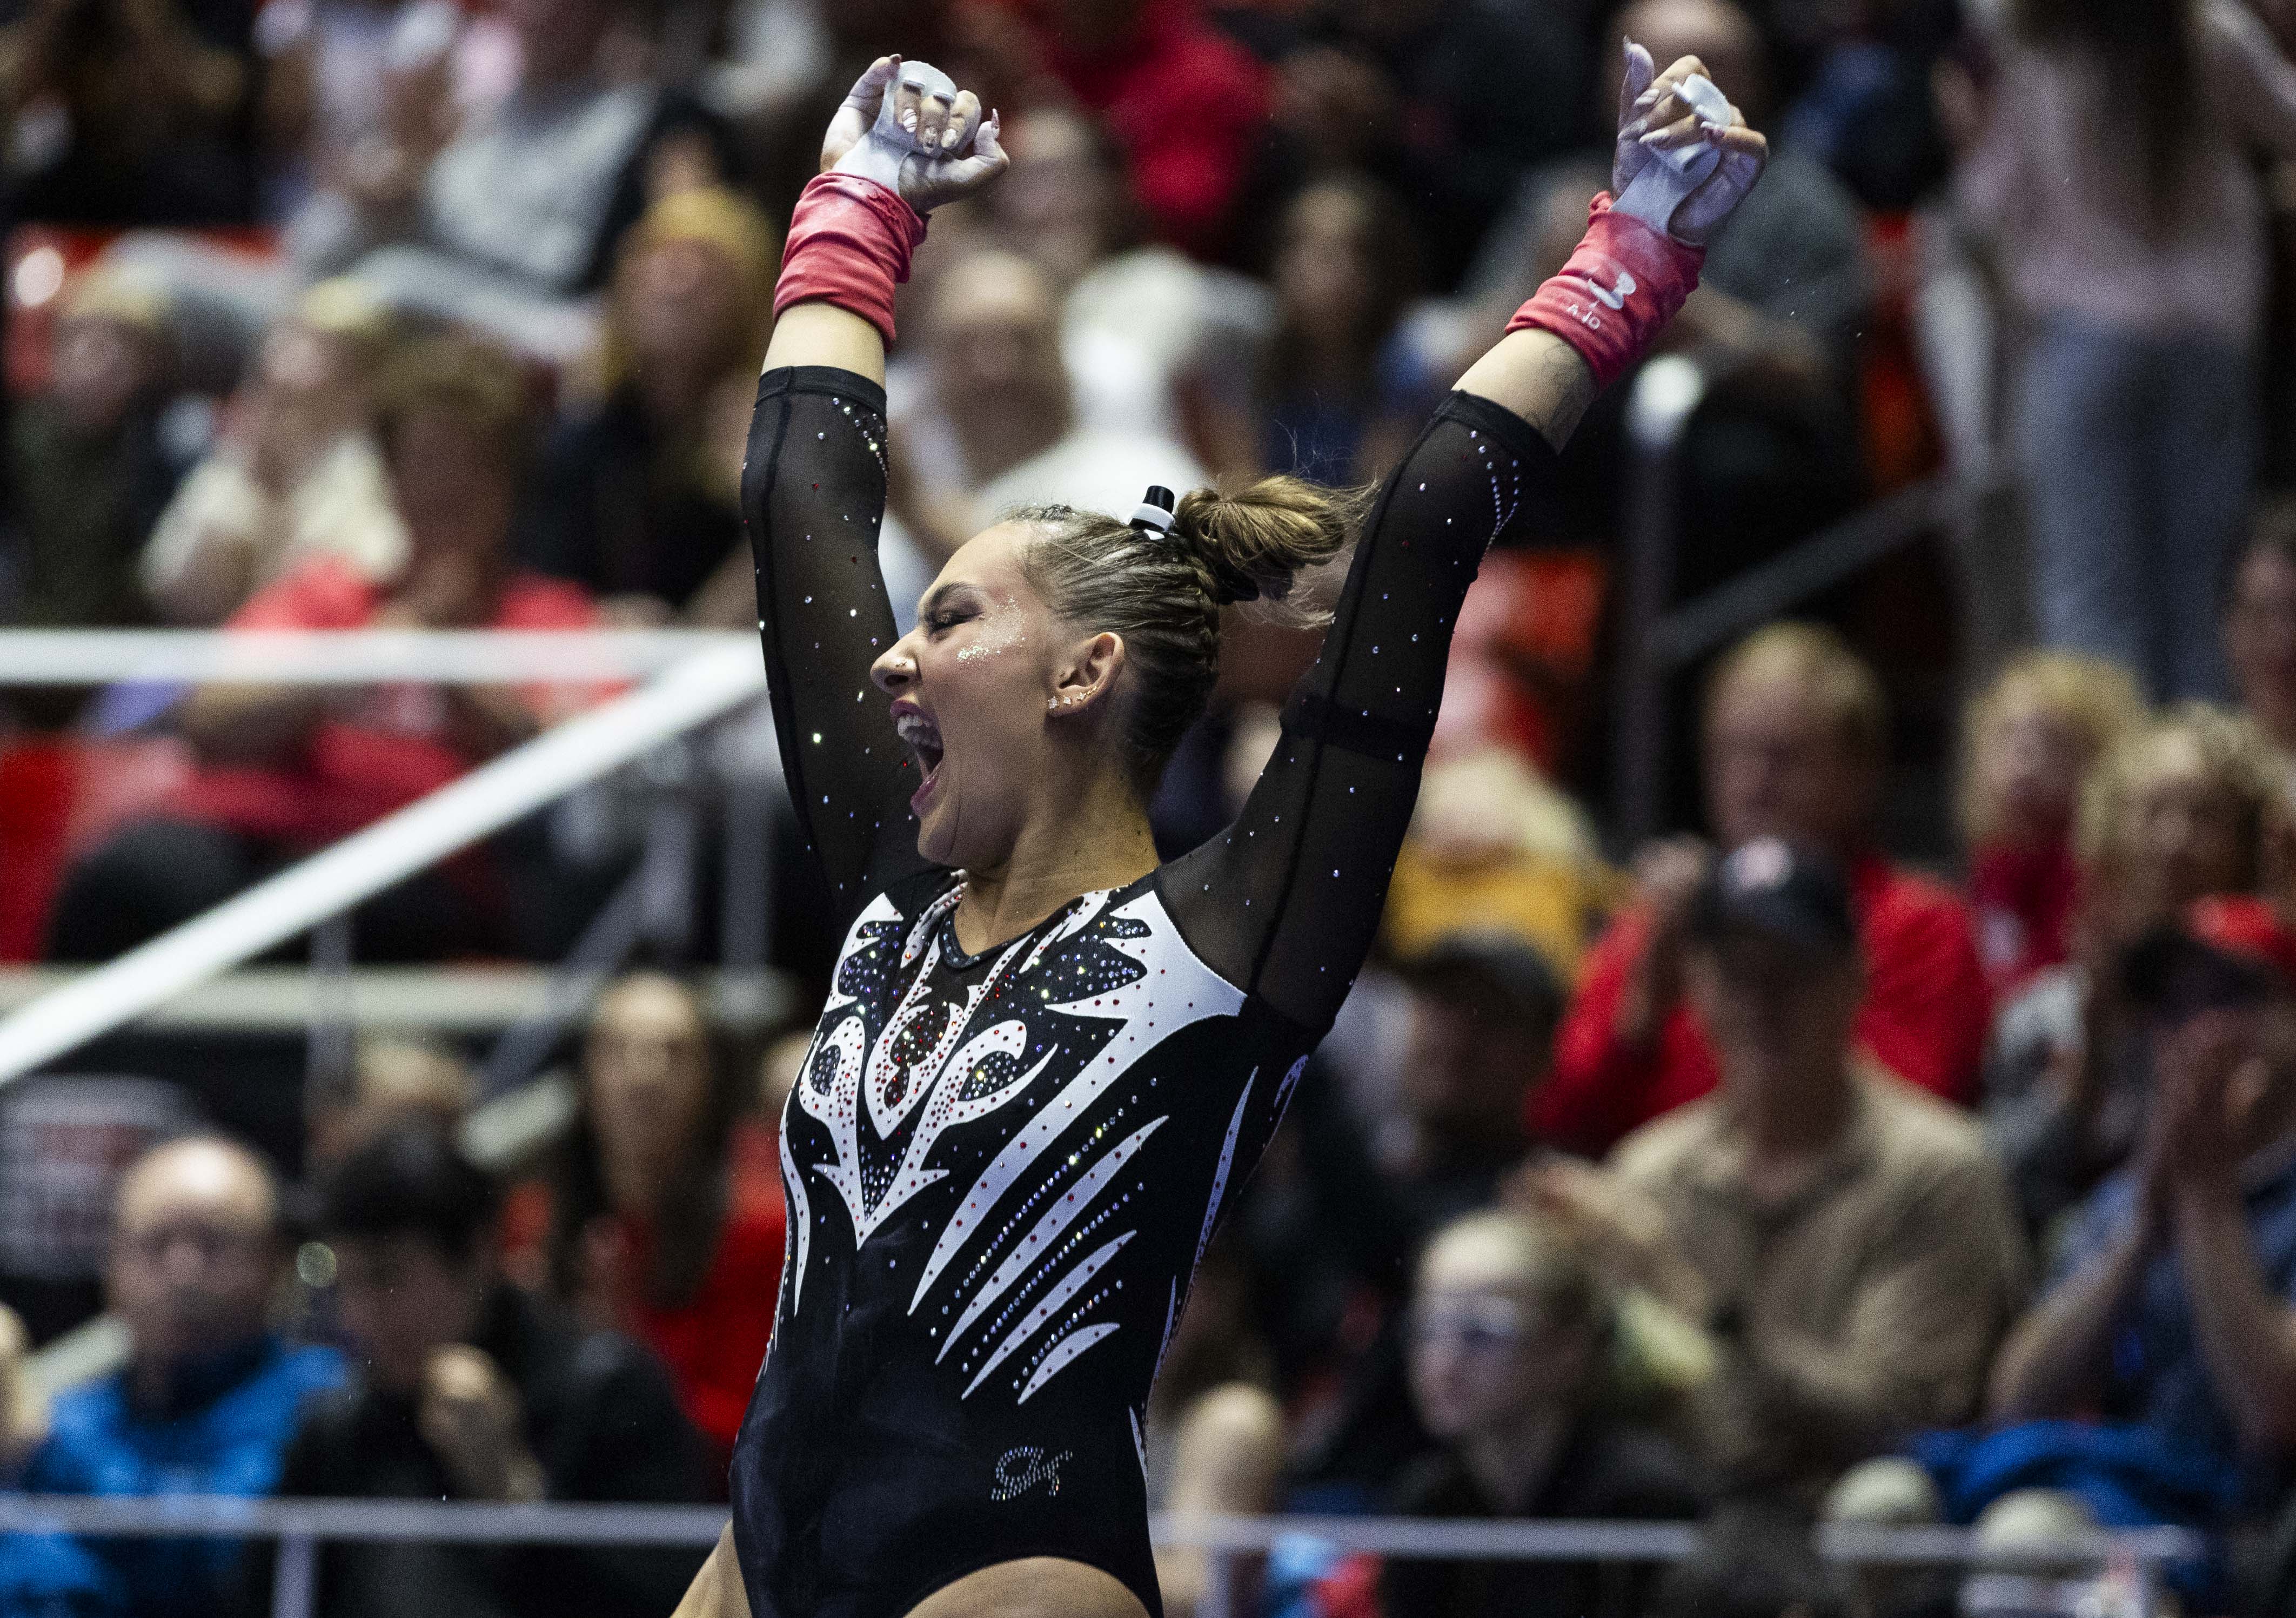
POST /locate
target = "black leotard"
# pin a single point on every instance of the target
(1003, 1168)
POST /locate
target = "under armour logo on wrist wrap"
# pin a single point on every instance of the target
(1620, 287)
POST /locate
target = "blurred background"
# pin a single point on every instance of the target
(1950, 536)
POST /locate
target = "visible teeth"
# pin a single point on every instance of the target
(917, 731)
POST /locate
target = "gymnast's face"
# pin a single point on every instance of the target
(978, 687)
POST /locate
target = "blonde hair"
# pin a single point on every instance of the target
(348, 312)
(2094, 698)
(1817, 659)
(2234, 756)
(732, 225)
(478, 386)
(128, 297)
(1163, 593)
(1544, 1260)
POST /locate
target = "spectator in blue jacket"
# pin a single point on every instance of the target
(205, 1405)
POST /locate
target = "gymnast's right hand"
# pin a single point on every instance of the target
(908, 126)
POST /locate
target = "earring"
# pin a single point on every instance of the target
(1051, 703)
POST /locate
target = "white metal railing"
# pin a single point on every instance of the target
(301, 1526)
(696, 678)
(1522, 1540)
(363, 656)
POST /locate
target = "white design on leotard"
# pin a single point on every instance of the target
(1226, 1162)
(1291, 1083)
(1173, 990)
(1040, 1239)
(800, 1219)
(1072, 1283)
(1064, 1351)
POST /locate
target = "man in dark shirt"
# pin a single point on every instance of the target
(474, 1390)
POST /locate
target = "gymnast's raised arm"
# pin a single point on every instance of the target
(1286, 902)
(813, 492)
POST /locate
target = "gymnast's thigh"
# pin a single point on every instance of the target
(1033, 1587)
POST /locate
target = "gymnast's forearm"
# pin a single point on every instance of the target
(1539, 377)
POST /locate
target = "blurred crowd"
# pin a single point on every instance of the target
(1908, 1137)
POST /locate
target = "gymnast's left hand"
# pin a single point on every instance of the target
(941, 150)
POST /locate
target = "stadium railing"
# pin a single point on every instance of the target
(301, 1526)
(685, 680)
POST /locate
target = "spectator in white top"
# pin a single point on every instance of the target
(993, 338)
(298, 476)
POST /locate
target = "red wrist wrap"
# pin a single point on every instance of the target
(850, 242)
(1621, 286)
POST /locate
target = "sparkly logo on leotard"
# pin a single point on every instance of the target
(1025, 1466)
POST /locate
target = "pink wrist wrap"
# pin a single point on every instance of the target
(1623, 283)
(850, 242)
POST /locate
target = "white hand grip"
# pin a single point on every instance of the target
(1662, 186)
(879, 155)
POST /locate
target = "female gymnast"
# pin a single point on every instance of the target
(1048, 1061)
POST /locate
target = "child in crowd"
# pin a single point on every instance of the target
(2030, 739)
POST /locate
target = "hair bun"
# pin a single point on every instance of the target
(1230, 583)
(1250, 544)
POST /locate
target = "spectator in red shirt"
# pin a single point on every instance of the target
(1794, 740)
(286, 770)
(2031, 738)
(1185, 103)
(667, 1220)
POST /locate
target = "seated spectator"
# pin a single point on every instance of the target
(286, 770)
(1846, 1243)
(1337, 1216)
(1212, 1441)
(2169, 1316)
(1484, 1006)
(1142, 324)
(2030, 741)
(393, 1081)
(1324, 403)
(1402, 89)
(2175, 813)
(1494, 845)
(1185, 102)
(994, 332)
(89, 472)
(1510, 1342)
(206, 1404)
(356, 91)
(519, 215)
(1785, 278)
(298, 476)
(120, 113)
(1794, 737)
(470, 1390)
(23, 1406)
(2260, 623)
(664, 1224)
(636, 497)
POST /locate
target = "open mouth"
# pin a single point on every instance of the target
(922, 737)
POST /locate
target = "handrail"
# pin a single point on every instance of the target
(347, 656)
(693, 692)
(553, 1522)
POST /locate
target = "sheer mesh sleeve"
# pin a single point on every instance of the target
(1285, 902)
(813, 494)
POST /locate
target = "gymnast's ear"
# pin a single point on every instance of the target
(1087, 674)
